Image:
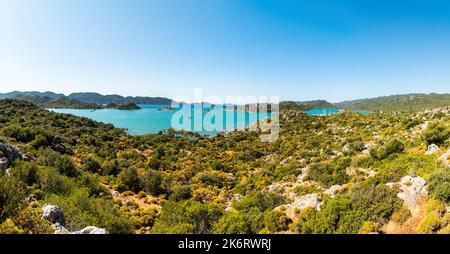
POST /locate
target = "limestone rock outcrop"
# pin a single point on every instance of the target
(9, 153)
(91, 230)
(432, 149)
(53, 214)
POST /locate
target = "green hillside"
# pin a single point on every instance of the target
(341, 173)
(58, 102)
(406, 103)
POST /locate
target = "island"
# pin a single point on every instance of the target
(127, 106)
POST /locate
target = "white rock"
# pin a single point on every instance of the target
(445, 157)
(332, 190)
(59, 229)
(411, 188)
(309, 200)
(432, 149)
(91, 230)
(53, 214)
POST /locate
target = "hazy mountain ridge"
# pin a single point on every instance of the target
(118, 99)
(58, 102)
(30, 93)
(401, 102)
(316, 104)
(91, 97)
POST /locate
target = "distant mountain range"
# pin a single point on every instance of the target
(315, 104)
(117, 99)
(57, 102)
(404, 102)
(31, 93)
(92, 98)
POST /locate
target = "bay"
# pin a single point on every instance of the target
(152, 119)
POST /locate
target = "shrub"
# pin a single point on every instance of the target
(152, 181)
(401, 215)
(81, 211)
(394, 168)
(40, 141)
(434, 205)
(12, 196)
(306, 221)
(9, 227)
(328, 174)
(154, 163)
(111, 167)
(26, 171)
(187, 217)
(62, 163)
(392, 147)
(305, 189)
(261, 200)
(437, 133)
(31, 221)
(210, 179)
(346, 213)
(363, 162)
(21, 134)
(182, 193)
(91, 182)
(234, 223)
(337, 216)
(369, 227)
(429, 224)
(129, 177)
(378, 202)
(51, 181)
(276, 221)
(410, 123)
(250, 155)
(439, 185)
(91, 165)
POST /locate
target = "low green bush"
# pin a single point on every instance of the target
(439, 185)
(187, 217)
(81, 210)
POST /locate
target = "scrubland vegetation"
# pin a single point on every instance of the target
(343, 173)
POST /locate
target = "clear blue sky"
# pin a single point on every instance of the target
(335, 50)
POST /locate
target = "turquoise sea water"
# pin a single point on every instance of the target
(322, 111)
(330, 111)
(154, 118)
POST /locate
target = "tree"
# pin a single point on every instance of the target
(39, 141)
(261, 200)
(92, 165)
(152, 181)
(182, 193)
(188, 217)
(392, 147)
(439, 185)
(130, 179)
(111, 167)
(234, 223)
(62, 163)
(26, 171)
(437, 133)
(276, 221)
(12, 196)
